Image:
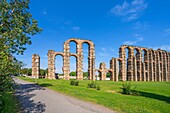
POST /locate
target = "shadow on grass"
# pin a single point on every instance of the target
(45, 85)
(154, 96)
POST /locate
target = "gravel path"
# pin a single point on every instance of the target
(36, 99)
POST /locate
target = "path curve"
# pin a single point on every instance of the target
(36, 99)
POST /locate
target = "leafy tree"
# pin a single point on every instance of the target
(85, 74)
(16, 28)
(73, 73)
(108, 74)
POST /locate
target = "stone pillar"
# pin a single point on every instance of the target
(150, 65)
(103, 71)
(51, 64)
(158, 67)
(164, 67)
(144, 72)
(112, 70)
(66, 64)
(130, 65)
(79, 61)
(168, 67)
(168, 54)
(116, 73)
(122, 56)
(35, 66)
(139, 65)
(135, 69)
(91, 63)
(146, 66)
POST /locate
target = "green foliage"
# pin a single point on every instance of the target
(73, 73)
(108, 75)
(74, 82)
(85, 74)
(16, 26)
(93, 85)
(126, 88)
(16, 29)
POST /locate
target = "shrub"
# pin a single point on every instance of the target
(74, 82)
(93, 85)
(126, 88)
(98, 88)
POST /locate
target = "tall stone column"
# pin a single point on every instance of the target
(150, 66)
(51, 65)
(164, 67)
(139, 65)
(135, 69)
(122, 56)
(66, 64)
(91, 62)
(112, 70)
(168, 67)
(130, 65)
(168, 54)
(145, 65)
(161, 65)
(116, 69)
(144, 72)
(158, 67)
(35, 66)
(79, 62)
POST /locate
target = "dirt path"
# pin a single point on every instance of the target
(36, 99)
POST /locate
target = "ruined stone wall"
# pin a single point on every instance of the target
(79, 60)
(143, 64)
(35, 66)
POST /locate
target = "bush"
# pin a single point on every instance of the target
(93, 85)
(98, 88)
(126, 88)
(74, 82)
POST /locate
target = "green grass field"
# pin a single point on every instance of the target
(154, 96)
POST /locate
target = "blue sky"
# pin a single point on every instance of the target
(108, 23)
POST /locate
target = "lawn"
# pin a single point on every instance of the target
(154, 96)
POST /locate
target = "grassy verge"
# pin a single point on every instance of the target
(10, 104)
(154, 96)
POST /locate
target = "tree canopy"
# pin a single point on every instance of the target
(17, 26)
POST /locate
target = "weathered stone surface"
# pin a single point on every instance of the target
(35, 66)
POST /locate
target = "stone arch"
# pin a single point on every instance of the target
(51, 63)
(79, 57)
(91, 58)
(145, 64)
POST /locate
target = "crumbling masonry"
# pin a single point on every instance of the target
(79, 60)
(134, 63)
(35, 65)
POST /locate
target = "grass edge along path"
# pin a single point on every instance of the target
(154, 98)
(10, 104)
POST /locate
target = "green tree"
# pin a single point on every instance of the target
(16, 28)
(73, 73)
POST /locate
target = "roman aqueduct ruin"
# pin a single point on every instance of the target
(134, 63)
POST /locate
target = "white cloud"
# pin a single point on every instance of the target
(129, 42)
(140, 25)
(138, 37)
(129, 11)
(76, 28)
